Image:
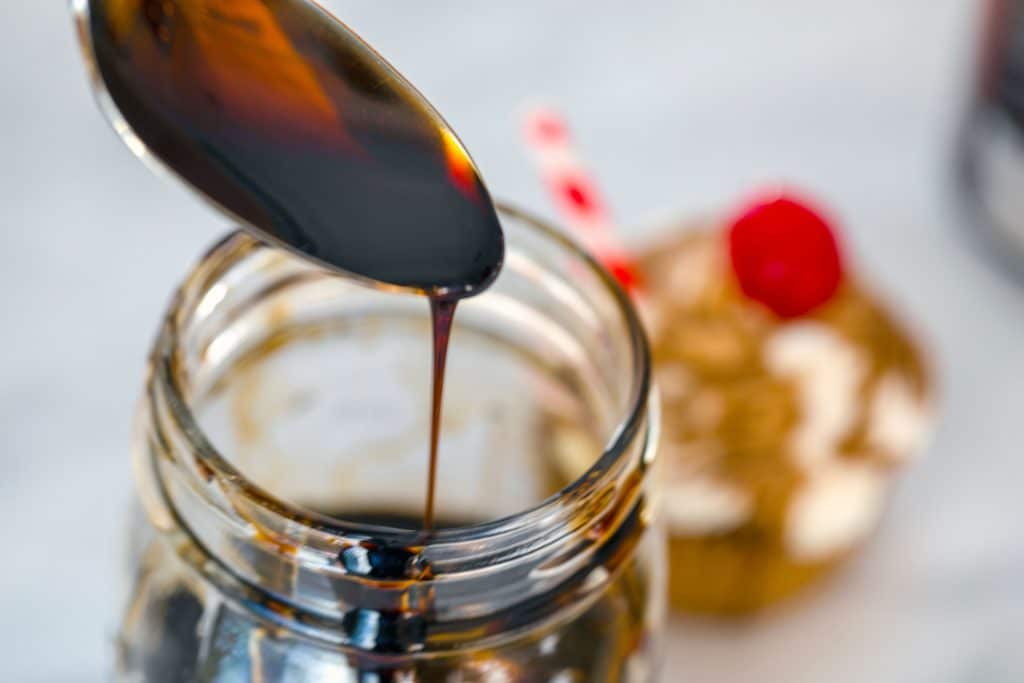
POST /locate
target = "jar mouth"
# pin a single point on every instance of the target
(545, 520)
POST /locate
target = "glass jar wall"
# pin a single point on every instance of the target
(281, 454)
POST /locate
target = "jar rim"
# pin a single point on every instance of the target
(546, 514)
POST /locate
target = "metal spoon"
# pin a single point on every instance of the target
(287, 121)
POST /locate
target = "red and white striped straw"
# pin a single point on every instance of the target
(575, 192)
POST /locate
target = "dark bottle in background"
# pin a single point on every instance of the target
(991, 150)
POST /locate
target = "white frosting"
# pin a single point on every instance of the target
(898, 421)
(701, 504)
(691, 271)
(838, 507)
(828, 372)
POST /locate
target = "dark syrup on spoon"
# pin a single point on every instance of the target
(285, 119)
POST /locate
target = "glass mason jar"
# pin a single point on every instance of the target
(281, 456)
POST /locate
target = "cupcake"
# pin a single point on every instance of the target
(790, 398)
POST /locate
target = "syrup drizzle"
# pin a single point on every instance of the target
(285, 119)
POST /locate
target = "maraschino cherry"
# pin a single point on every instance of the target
(785, 255)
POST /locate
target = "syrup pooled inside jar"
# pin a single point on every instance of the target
(285, 119)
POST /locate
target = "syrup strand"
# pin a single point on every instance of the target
(442, 314)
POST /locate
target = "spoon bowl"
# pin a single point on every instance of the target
(288, 122)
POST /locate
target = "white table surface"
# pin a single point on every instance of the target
(680, 106)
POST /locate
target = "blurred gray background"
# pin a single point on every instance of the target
(680, 107)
